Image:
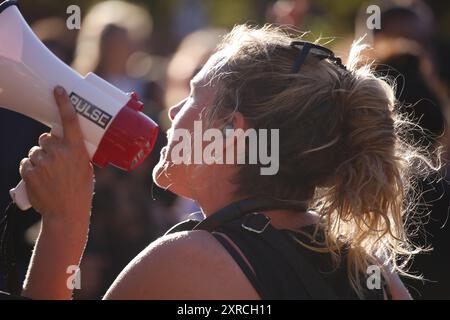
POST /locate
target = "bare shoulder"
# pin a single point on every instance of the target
(184, 265)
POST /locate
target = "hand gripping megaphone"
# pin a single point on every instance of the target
(115, 130)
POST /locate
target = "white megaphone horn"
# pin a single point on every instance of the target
(114, 128)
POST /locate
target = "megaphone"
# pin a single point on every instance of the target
(115, 130)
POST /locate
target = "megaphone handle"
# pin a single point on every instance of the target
(20, 196)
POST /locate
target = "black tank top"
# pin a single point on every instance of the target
(273, 276)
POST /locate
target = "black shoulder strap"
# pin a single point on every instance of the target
(240, 208)
(232, 212)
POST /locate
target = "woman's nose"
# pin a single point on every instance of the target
(173, 111)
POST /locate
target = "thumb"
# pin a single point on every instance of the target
(70, 124)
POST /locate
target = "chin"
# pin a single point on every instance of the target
(160, 175)
(170, 177)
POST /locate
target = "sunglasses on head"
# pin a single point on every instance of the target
(317, 50)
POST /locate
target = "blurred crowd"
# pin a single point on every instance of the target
(115, 41)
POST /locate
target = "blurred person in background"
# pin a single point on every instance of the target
(288, 12)
(405, 61)
(405, 51)
(113, 43)
(344, 167)
(414, 21)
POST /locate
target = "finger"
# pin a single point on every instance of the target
(43, 137)
(25, 168)
(32, 150)
(48, 142)
(71, 126)
(36, 155)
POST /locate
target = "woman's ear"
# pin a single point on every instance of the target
(237, 122)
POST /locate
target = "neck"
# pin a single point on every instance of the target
(211, 200)
(209, 197)
(212, 204)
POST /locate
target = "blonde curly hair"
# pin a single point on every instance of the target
(344, 150)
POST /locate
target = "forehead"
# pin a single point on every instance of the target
(206, 76)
